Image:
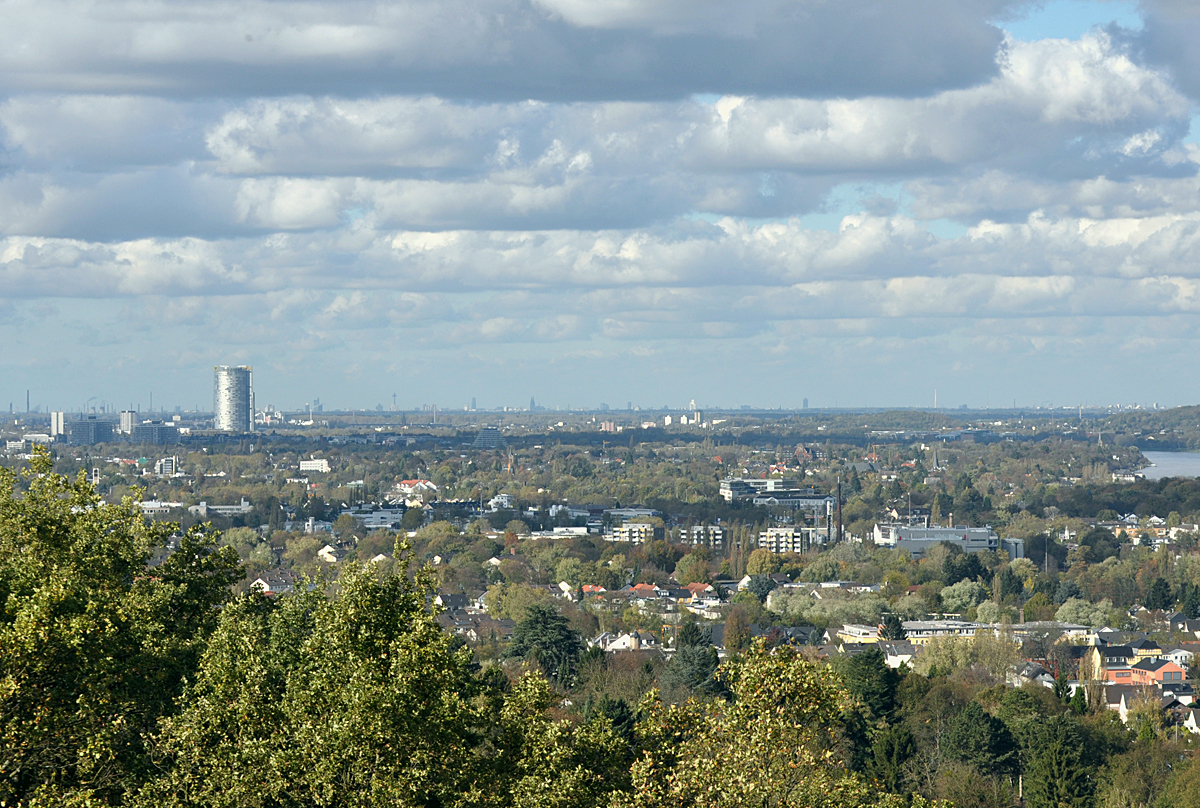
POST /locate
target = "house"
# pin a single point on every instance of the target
(1180, 690)
(1100, 658)
(633, 641)
(330, 554)
(645, 592)
(417, 491)
(1030, 673)
(1157, 672)
(275, 582)
(452, 603)
(898, 653)
(778, 577)
(501, 502)
(1180, 655)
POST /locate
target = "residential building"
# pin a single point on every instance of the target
(920, 632)
(233, 398)
(636, 533)
(58, 424)
(374, 518)
(167, 466)
(128, 419)
(275, 582)
(858, 634)
(775, 492)
(315, 464)
(1157, 672)
(704, 536)
(787, 539)
(417, 489)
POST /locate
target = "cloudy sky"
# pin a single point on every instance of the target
(855, 202)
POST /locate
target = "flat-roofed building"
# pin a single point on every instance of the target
(921, 632)
(917, 539)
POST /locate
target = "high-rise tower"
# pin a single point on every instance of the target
(233, 398)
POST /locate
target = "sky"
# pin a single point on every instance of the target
(855, 203)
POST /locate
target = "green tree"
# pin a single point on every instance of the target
(692, 568)
(870, 680)
(691, 670)
(891, 755)
(984, 742)
(94, 645)
(775, 742)
(544, 636)
(892, 628)
(1057, 777)
(760, 586)
(1159, 595)
(762, 562)
(963, 595)
(355, 699)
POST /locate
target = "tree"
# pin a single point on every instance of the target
(345, 525)
(762, 562)
(692, 668)
(545, 636)
(692, 568)
(1081, 612)
(984, 742)
(1039, 608)
(1159, 595)
(870, 680)
(1101, 544)
(892, 628)
(737, 629)
(94, 646)
(774, 743)
(1057, 777)
(891, 753)
(1067, 589)
(760, 586)
(413, 518)
(962, 596)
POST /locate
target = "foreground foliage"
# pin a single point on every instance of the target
(94, 645)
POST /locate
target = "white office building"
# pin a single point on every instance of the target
(233, 398)
(128, 421)
(58, 424)
(917, 540)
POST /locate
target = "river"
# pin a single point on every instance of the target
(1172, 464)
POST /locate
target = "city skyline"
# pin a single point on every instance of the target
(590, 203)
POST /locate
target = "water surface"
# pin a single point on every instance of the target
(1172, 464)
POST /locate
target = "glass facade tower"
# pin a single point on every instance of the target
(233, 398)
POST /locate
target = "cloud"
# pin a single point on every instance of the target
(511, 49)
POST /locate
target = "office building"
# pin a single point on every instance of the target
(129, 420)
(917, 540)
(154, 432)
(89, 431)
(58, 424)
(233, 398)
